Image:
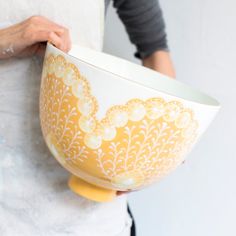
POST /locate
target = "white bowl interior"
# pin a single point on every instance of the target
(140, 74)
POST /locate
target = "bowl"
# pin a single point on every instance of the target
(115, 125)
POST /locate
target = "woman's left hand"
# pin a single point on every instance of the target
(29, 37)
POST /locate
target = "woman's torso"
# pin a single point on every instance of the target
(34, 197)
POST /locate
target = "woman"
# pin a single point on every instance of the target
(34, 197)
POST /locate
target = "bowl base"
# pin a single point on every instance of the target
(90, 191)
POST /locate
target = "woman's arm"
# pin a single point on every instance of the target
(25, 38)
(144, 22)
(145, 25)
(161, 62)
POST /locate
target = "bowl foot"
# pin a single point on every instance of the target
(90, 191)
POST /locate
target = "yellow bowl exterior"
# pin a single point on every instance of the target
(133, 145)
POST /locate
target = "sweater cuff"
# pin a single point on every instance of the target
(145, 50)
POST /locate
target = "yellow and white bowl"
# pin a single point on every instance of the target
(116, 125)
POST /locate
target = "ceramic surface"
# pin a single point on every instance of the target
(112, 129)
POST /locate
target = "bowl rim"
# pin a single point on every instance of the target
(156, 81)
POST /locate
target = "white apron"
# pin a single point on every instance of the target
(34, 196)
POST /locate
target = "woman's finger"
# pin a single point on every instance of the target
(40, 29)
(59, 42)
(60, 30)
(66, 37)
(61, 39)
(52, 37)
(121, 192)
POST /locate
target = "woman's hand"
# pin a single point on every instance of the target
(30, 36)
(122, 192)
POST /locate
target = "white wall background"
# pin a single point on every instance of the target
(199, 198)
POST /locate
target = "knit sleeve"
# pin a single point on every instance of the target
(144, 23)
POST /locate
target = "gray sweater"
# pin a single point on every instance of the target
(144, 23)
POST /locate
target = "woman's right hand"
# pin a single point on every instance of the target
(30, 36)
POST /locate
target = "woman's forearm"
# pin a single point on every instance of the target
(161, 62)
